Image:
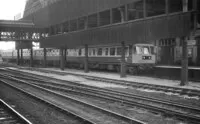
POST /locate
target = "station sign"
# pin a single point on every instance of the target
(191, 42)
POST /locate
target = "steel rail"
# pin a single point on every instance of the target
(128, 119)
(120, 98)
(190, 92)
(109, 95)
(18, 117)
(49, 103)
(114, 92)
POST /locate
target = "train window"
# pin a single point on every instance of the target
(126, 51)
(118, 14)
(143, 49)
(104, 17)
(106, 51)
(92, 21)
(66, 26)
(135, 10)
(134, 50)
(155, 7)
(139, 50)
(79, 52)
(119, 50)
(99, 53)
(146, 50)
(90, 52)
(73, 25)
(152, 50)
(112, 51)
(83, 52)
(82, 23)
(94, 52)
(189, 52)
(175, 6)
(190, 4)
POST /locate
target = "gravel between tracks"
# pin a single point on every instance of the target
(34, 110)
(85, 111)
(193, 101)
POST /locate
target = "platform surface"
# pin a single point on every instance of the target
(116, 76)
(177, 67)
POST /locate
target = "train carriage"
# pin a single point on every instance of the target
(104, 57)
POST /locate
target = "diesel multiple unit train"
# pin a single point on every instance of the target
(105, 57)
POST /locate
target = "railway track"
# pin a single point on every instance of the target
(87, 106)
(169, 108)
(8, 115)
(176, 90)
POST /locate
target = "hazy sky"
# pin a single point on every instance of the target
(9, 9)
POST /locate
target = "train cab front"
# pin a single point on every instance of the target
(143, 54)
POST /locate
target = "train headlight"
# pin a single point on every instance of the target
(146, 57)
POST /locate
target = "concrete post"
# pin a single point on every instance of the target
(86, 68)
(45, 57)
(123, 61)
(62, 59)
(31, 57)
(184, 70)
(18, 57)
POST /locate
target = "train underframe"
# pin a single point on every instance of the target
(134, 69)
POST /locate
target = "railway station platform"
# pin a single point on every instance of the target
(131, 78)
(173, 72)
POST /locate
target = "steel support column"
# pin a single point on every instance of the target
(22, 60)
(65, 57)
(123, 61)
(86, 67)
(62, 59)
(167, 7)
(184, 71)
(18, 57)
(31, 57)
(45, 57)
